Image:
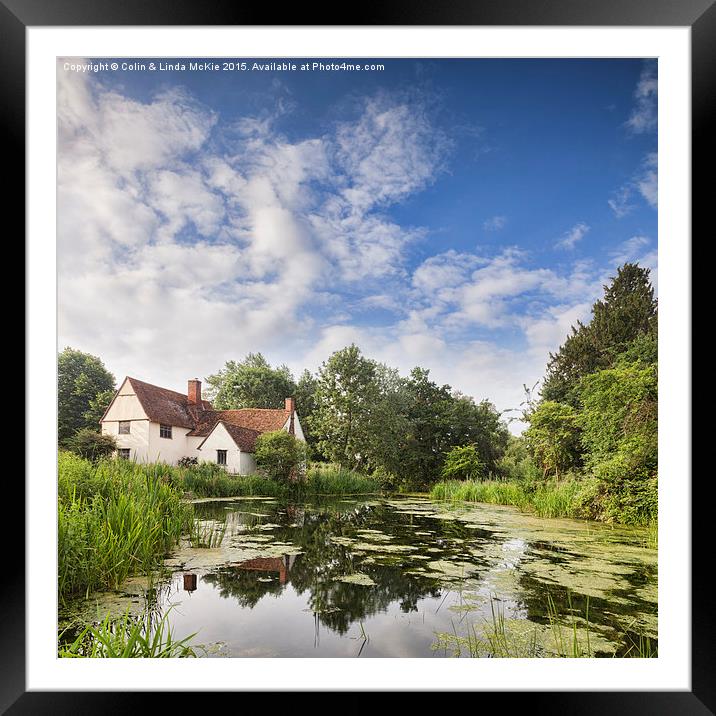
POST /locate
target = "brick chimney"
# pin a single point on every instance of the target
(194, 392)
(291, 406)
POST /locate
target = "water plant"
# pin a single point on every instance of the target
(206, 534)
(127, 637)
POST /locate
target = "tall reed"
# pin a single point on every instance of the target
(115, 519)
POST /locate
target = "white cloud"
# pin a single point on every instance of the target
(572, 237)
(644, 182)
(174, 256)
(644, 115)
(647, 179)
(494, 223)
(620, 202)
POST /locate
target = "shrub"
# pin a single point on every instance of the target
(553, 436)
(92, 445)
(463, 463)
(187, 461)
(280, 455)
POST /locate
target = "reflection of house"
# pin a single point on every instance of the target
(154, 424)
(282, 565)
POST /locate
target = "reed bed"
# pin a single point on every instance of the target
(330, 479)
(115, 519)
(568, 498)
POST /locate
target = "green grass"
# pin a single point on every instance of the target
(127, 637)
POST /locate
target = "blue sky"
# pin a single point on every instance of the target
(454, 214)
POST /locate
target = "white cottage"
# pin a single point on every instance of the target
(152, 424)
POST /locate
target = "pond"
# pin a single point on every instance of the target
(403, 577)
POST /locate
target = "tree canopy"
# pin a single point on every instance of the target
(83, 387)
(626, 315)
(250, 383)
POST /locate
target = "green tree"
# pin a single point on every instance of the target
(81, 377)
(517, 462)
(280, 455)
(346, 393)
(553, 436)
(305, 395)
(97, 407)
(387, 424)
(619, 422)
(478, 424)
(428, 412)
(463, 463)
(90, 444)
(250, 383)
(627, 313)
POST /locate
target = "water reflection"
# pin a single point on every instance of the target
(383, 577)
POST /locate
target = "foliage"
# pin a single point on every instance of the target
(553, 436)
(280, 455)
(345, 395)
(82, 385)
(250, 383)
(517, 463)
(479, 425)
(187, 461)
(463, 463)
(619, 433)
(92, 445)
(620, 405)
(575, 497)
(627, 314)
(305, 395)
(97, 408)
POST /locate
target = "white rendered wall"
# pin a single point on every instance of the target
(169, 450)
(137, 441)
(126, 406)
(297, 429)
(248, 463)
(219, 439)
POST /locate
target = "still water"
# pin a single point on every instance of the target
(404, 577)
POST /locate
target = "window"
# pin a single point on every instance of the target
(124, 427)
(221, 457)
(165, 431)
(123, 453)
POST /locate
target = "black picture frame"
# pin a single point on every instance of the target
(699, 15)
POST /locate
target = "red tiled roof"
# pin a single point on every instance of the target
(169, 407)
(243, 425)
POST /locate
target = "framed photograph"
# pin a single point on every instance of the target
(351, 342)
